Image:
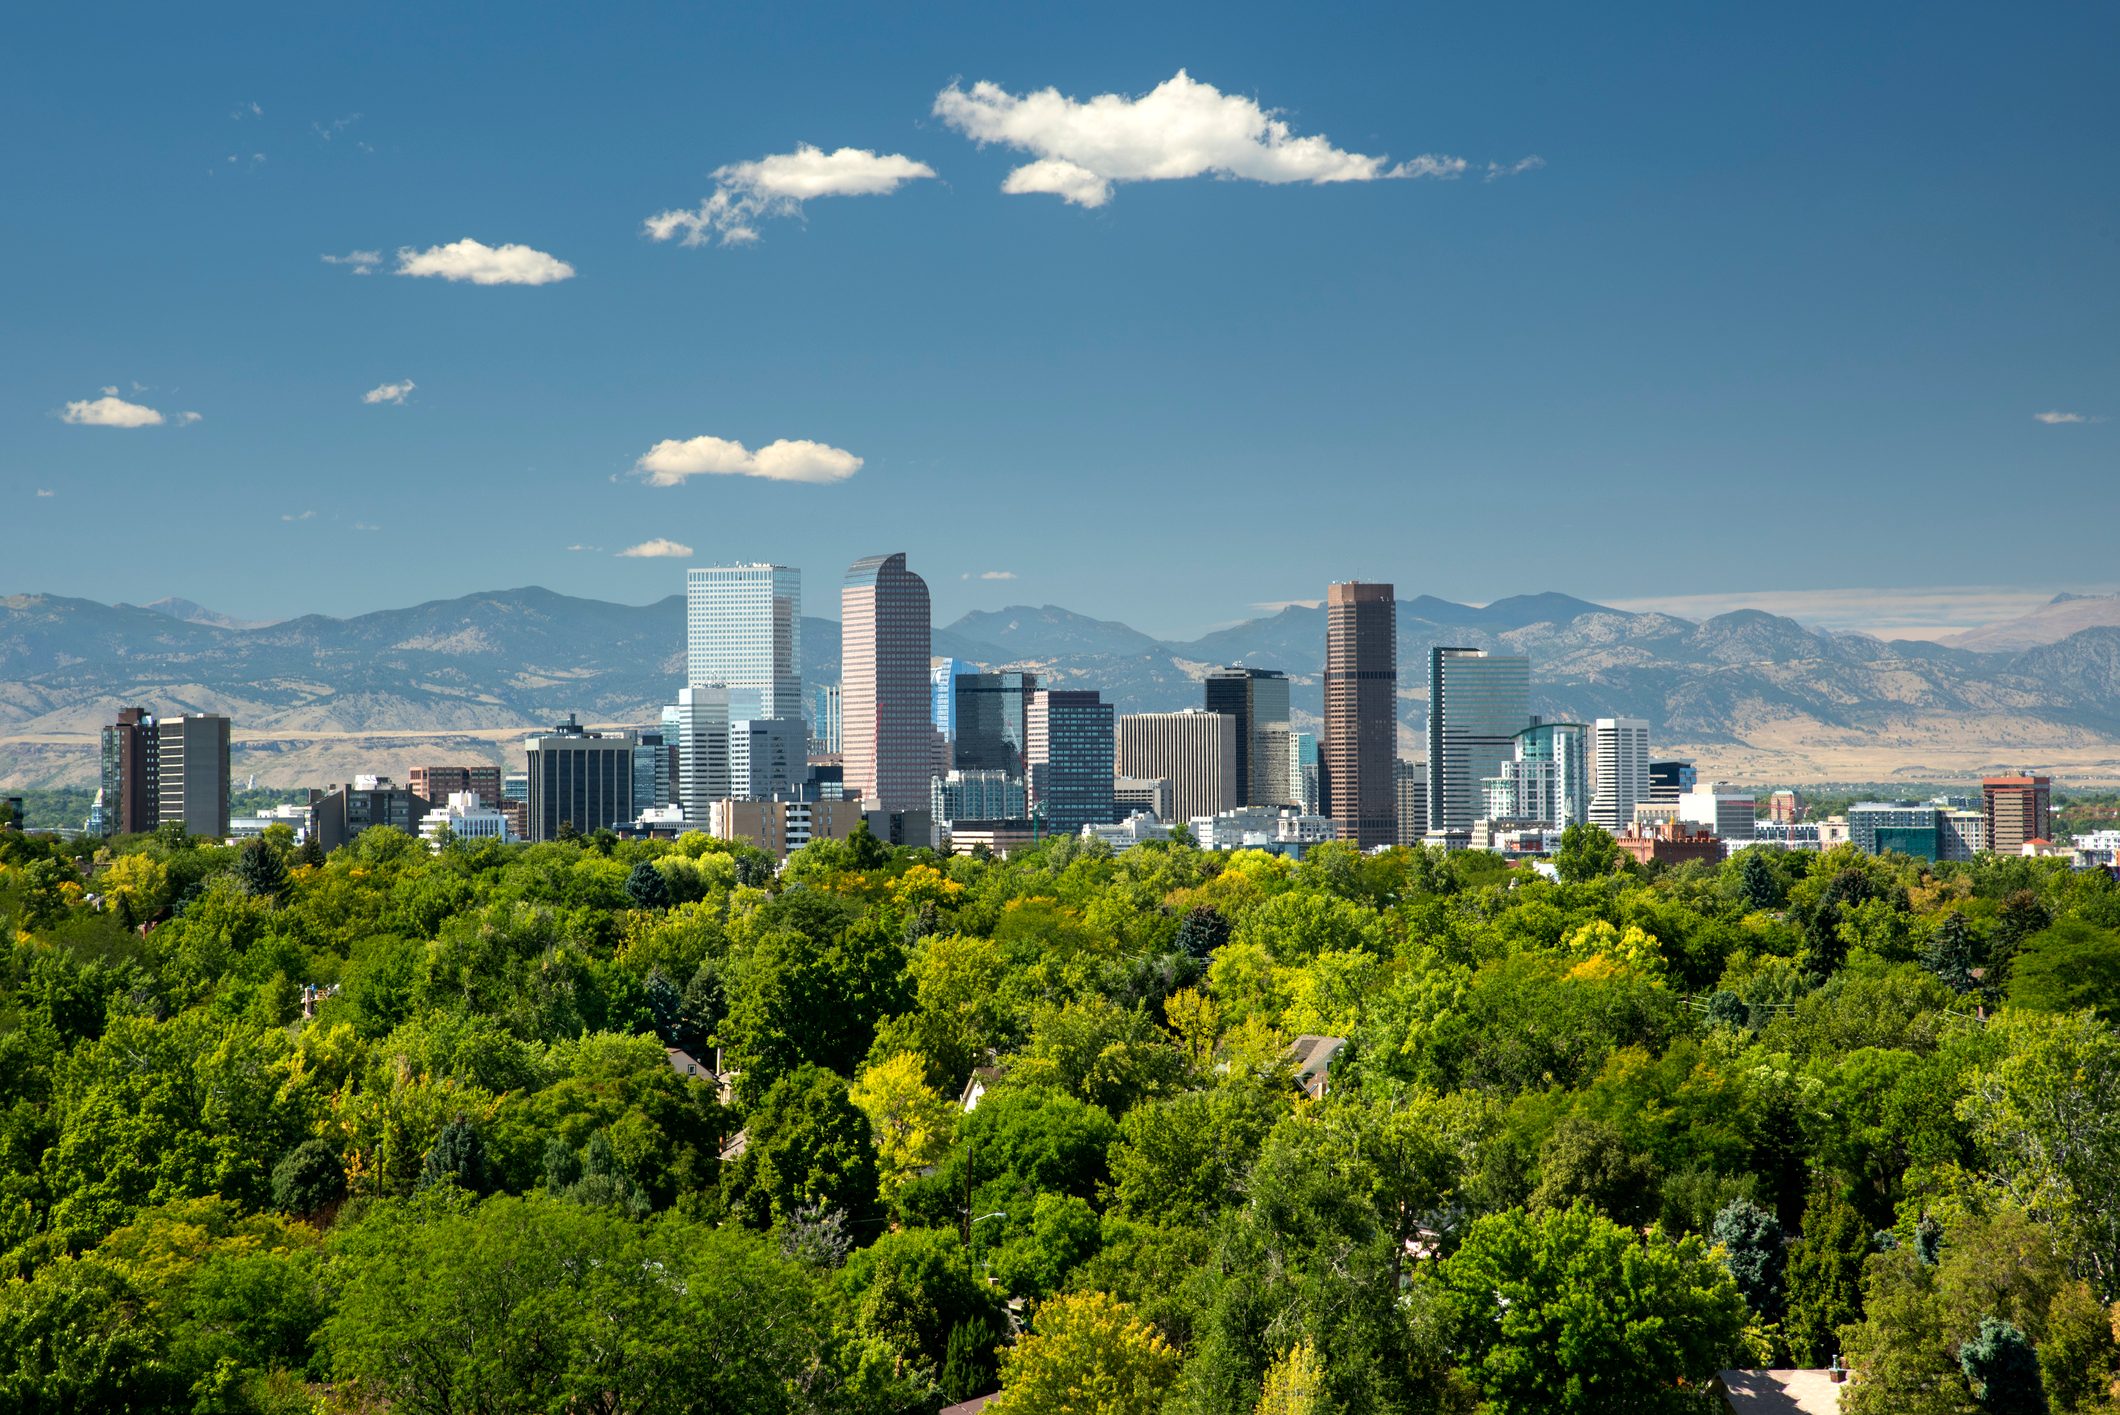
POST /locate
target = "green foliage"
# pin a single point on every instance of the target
(1587, 852)
(2068, 967)
(1665, 1316)
(1751, 1242)
(2002, 1371)
(1825, 1277)
(806, 1144)
(308, 1177)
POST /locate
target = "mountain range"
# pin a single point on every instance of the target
(1753, 695)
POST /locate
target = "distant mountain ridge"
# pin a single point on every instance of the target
(508, 659)
(2060, 617)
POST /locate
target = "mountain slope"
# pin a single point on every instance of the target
(2063, 616)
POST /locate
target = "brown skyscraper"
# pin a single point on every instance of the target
(888, 726)
(1360, 744)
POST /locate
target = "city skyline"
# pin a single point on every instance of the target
(1714, 291)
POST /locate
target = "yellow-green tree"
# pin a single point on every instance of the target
(1295, 1384)
(913, 1126)
(1088, 1354)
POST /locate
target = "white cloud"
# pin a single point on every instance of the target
(997, 574)
(111, 411)
(328, 131)
(299, 516)
(392, 393)
(670, 461)
(579, 548)
(778, 186)
(363, 262)
(1181, 128)
(187, 419)
(366, 526)
(248, 110)
(2057, 418)
(482, 264)
(1515, 169)
(657, 549)
(46, 491)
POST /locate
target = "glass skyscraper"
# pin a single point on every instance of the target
(1477, 703)
(990, 719)
(743, 631)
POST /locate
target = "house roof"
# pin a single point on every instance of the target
(969, 1407)
(1312, 1056)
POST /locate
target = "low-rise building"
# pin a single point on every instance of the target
(1725, 810)
(1151, 794)
(463, 816)
(341, 813)
(1136, 829)
(1673, 843)
(781, 827)
(1261, 828)
(999, 836)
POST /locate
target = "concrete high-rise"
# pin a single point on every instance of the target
(1360, 745)
(1195, 750)
(579, 778)
(436, 784)
(132, 800)
(192, 772)
(743, 631)
(885, 691)
(702, 713)
(1619, 771)
(1411, 781)
(1068, 743)
(1477, 703)
(990, 720)
(1258, 699)
(2018, 808)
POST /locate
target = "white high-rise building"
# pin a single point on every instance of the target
(1195, 750)
(1619, 771)
(743, 631)
(702, 747)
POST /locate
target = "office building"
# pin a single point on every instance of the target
(2018, 809)
(1303, 773)
(464, 816)
(1961, 834)
(1276, 828)
(1551, 774)
(1068, 740)
(1411, 780)
(743, 631)
(1360, 744)
(999, 837)
(131, 785)
(1258, 699)
(1784, 807)
(702, 714)
(1671, 779)
(582, 779)
(436, 784)
(1141, 793)
(979, 796)
(767, 758)
(655, 769)
(1124, 835)
(339, 814)
(191, 773)
(885, 690)
(1195, 750)
(990, 719)
(1477, 703)
(943, 674)
(1619, 770)
(828, 736)
(515, 800)
(1673, 843)
(1898, 827)
(913, 829)
(781, 827)
(1725, 810)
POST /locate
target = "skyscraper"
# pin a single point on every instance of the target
(1194, 750)
(192, 772)
(1619, 771)
(578, 778)
(743, 630)
(1548, 779)
(1360, 744)
(885, 691)
(2018, 808)
(943, 674)
(1477, 703)
(990, 716)
(1069, 747)
(829, 719)
(1258, 699)
(131, 785)
(702, 749)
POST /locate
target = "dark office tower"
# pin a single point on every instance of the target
(578, 778)
(191, 769)
(991, 717)
(1669, 780)
(2018, 808)
(1360, 745)
(1258, 699)
(1069, 746)
(888, 727)
(131, 784)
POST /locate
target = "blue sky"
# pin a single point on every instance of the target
(1774, 312)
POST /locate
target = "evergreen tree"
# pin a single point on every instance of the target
(457, 1157)
(1825, 1276)
(260, 870)
(647, 888)
(1952, 952)
(1751, 1240)
(1201, 932)
(2002, 1369)
(968, 1364)
(308, 1177)
(310, 851)
(1758, 882)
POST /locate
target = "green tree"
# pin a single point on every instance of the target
(806, 1144)
(308, 1177)
(1952, 952)
(1825, 1276)
(1567, 1312)
(1587, 852)
(913, 1291)
(1758, 882)
(261, 870)
(2068, 967)
(647, 888)
(1587, 1161)
(2002, 1370)
(458, 1157)
(1751, 1242)
(1087, 1354)
(78, 1338)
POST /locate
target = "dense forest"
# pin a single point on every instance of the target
(1588, 1142)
